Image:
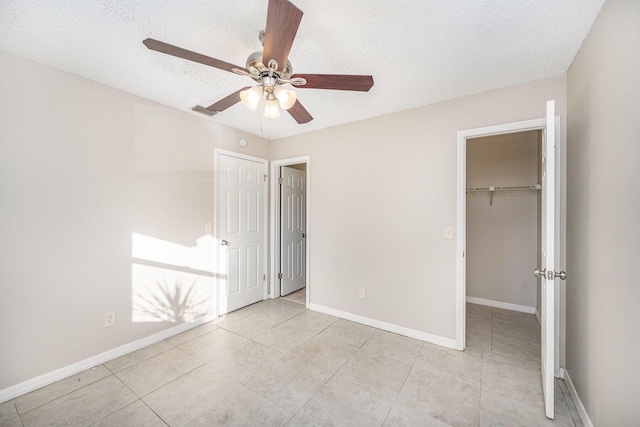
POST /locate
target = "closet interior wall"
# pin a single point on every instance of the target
(502, 226)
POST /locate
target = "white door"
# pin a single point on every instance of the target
(241, 230)
(292, 227)
(547, 272)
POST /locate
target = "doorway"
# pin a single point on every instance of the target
(461, 242)
(290, 201)
(503, 185)
(552, 172)
(503, 220)
(461, 224)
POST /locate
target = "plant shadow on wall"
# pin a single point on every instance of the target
(171, 282)
(173, 257)
(174, 302)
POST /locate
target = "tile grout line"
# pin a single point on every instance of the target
(333, 375)
(140, 361)
(253, 340)
(139, 398)
(272, 327)
(62, 395)
(395, 400)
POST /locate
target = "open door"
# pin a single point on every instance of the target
(547, 271)
(292, 229)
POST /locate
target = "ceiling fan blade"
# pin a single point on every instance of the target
(283, 19)
(299, 113)
(179, 52)
(336, 81)
(221, 105)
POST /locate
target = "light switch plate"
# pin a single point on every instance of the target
(448, 232)
(109, 318)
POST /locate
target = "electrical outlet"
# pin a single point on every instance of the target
(362, 293)
(109, 319)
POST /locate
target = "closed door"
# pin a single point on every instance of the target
(292, 227)
(241, 230)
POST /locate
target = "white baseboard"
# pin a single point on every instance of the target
(64, 372)
(389, 327)
(576, 400)
(499, 304)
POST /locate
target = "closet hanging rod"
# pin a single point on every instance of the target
(504, 188)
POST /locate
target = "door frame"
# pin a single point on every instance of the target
(216, 216)
(275, 250)
(461, 219)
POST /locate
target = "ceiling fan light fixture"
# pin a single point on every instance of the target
(251, 97)
(271, 109)
(285, 97)
(269, 68)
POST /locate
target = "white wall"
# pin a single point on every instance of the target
(103, 198)
(382, 190)
(603, 211)
(502, 237)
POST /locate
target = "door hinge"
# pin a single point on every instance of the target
(264, 277)
(280, 180)
(280, 276)
(265, 177)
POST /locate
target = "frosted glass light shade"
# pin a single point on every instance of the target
(285, 97)
(271, 110)
(251, 97)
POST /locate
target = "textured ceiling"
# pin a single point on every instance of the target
(418, 51)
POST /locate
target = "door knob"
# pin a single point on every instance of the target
(562, 275)
(224, 243)
(549, 275)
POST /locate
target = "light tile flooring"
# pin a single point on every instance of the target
(297, 296)
(275, 363)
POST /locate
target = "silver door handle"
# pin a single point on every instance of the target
(549, 275)
(562, 275)
(224, 243)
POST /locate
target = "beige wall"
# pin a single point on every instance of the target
(381, 192)
(603, 211)
(82, 168)
(93, 180)
(502, 237)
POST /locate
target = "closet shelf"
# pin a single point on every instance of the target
(504, 188)
(493, 189)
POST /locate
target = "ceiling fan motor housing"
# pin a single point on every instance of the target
(257, 69)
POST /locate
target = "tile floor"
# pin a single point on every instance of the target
(275, 363)
(297, 296)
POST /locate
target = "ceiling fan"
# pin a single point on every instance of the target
(271, 69)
